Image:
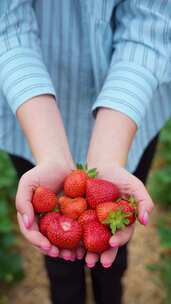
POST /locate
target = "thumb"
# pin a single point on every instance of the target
(23, 200)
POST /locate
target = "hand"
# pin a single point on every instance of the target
(51, 175)
(127, 184)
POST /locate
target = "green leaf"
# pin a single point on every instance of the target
(92, 172)
(10, 267)
(79, 166)
(4, 209)
(7, 240)
(117, 219)
(5, 225)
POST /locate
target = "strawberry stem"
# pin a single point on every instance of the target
(90, 172)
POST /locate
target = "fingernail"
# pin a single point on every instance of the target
(53, 255)
(79, 257)
(90, 265)
(114, 244)
(145, 218)
(106, 265)
(72, 259)
(67, 257)
(26, 220)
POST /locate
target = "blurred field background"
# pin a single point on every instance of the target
(148, 278)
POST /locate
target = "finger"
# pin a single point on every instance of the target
(53, 252)
(107, 258)
(23, 201)
(73, 255)
(91, 259)
(145, 203)
(121, 237)
(80, 251)
(66, 254)
(33, 236)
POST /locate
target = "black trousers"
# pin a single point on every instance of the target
(67, 279)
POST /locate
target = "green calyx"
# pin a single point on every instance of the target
(56, 209)
(134, 204)
(117, 220)
(90, 172)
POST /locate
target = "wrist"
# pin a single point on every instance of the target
(106, 160)
(103, 166)
(66, 163)
(111, 139)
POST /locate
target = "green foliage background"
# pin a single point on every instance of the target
(160, 181)
(160, 189)
(10, 260)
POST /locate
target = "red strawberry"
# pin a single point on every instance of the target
(44, 200)
(100, 191)
(75, 182)
(45, 220)
(72, 207)
(87, 216)
(96, 237)
(64, 232)
(104, 209)
(121, 216)
(128, 209)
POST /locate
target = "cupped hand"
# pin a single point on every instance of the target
(51, 175)
(127, 184)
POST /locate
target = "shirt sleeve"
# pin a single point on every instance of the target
(23, 74)
(141, 57)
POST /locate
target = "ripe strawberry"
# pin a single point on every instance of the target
(129, 210)
(104, 209)
(121, 216)
(72, 207)
(87, 216)
(64, 232)
(100, 191)
(44, 200)
(75, 182)
(96, 237)
(46, 219)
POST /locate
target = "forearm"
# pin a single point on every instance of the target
(111, 138)
(42, 124)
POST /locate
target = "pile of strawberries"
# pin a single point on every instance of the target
(90, 210)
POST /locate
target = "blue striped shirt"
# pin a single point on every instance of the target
(88, 54)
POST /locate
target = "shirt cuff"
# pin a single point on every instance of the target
(23, 76)
(128, 88)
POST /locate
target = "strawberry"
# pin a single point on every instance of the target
(87, 216)
(65, 233)
(44, 200)
(46, 219)
(75, 182)
(72, 207)
(96, 237)
(128, 209)
(104, 209)
(100, 191)
(121, 216)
